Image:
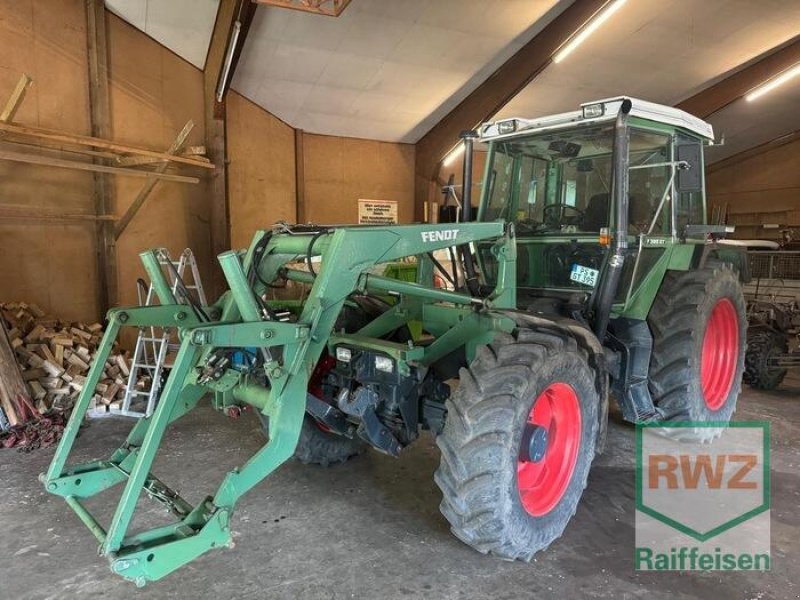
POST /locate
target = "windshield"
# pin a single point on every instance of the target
(552, 182)
(560, 182)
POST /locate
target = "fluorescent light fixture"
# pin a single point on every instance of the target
(453, 155)
(771, 84)
(588, 29)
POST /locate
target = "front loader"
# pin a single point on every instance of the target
(559, 300)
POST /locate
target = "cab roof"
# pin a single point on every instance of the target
(599, 111)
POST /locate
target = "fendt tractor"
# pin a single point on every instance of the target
(588, 271)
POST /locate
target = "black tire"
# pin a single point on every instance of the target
(680, 321)
(315, 445)
(761, 346)
(481, 442)
(318, 447)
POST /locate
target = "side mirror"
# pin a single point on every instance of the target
(691, 179)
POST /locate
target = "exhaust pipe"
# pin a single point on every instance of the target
(619, 186)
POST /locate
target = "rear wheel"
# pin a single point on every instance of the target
(698, 324)
(518, 443)
(762, 347)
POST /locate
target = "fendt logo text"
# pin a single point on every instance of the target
(445, 235)
(702, 506)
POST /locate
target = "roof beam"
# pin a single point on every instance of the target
(495, 92)
(730, 89)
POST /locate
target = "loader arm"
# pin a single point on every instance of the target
(241, 319)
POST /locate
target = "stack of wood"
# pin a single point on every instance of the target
(54, 357)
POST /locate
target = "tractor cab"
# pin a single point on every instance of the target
(573, 183)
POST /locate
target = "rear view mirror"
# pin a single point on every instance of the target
(691, 179)
(585, 165)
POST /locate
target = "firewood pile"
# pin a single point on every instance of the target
(52, 359)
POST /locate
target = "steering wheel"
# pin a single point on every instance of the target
(556, 220)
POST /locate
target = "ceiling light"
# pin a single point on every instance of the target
(771, 84)
(453, 155)
(588, 28)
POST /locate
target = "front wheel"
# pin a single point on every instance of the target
(518, 442)
(698, 324)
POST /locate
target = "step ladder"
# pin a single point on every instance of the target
(154, 344)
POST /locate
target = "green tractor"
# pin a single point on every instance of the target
(589, 271)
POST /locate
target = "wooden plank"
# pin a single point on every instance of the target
(151, 183)
(495, 92)
(95, 142)
(11, 383)
(17, 96)
(26, 214)
(299, 176)
(100, 120)
(80, 166)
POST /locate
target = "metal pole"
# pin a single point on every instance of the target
(466, 211)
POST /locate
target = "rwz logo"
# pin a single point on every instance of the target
(444, 235)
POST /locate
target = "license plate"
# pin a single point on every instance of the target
(584, 275)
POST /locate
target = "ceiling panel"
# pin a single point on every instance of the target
(660, 50)
(183, 26)
(382, 70)
(747, 124)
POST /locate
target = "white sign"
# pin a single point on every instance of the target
(584, 275)
(377, 212)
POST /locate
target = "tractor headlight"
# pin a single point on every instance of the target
(343, 354)
(507, 126)
(591, 111)
(384, 363)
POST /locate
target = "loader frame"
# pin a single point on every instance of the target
(239, 320)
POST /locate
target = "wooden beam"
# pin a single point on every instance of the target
(17, 96)
(47, 161)
(754, 151)
(733, 87)
(100, 120)
(299, 176)
(96, 142)
(216, 143)
(151, 182)
(12, 386)
(494, 93)
(25, 213)
(329, 8)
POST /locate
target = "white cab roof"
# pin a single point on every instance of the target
(611, 106)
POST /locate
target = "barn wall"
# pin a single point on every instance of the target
(338, 171)
(44, 260)
(764, 188)
(153, 93)
(261, 171)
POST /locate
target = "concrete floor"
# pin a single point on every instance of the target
(371, 528)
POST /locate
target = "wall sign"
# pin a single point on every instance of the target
(377, 212)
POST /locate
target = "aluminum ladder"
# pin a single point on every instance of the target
(154, 344)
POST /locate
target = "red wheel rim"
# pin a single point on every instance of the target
(542, 483)
(720, 354)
